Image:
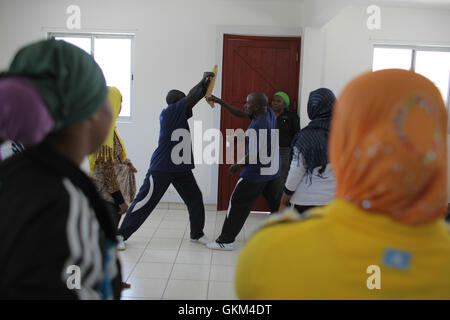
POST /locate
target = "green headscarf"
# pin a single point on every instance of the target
(68, 78)
(285, 97)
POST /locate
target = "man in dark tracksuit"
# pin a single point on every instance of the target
(254, 180)
(163, 171)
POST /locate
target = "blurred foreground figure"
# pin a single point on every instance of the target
(384, 235)
(24, 118)
(57, 237)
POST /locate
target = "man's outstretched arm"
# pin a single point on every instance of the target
(234, 111)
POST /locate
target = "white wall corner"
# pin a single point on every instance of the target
(311, 69)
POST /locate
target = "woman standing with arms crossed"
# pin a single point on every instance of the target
(111, 171)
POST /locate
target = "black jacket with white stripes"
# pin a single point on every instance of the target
(57, 238)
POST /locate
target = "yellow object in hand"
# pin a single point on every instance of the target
(211, 86)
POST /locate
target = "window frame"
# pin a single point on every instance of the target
(414, 49)
(93, 36)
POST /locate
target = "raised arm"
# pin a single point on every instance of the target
(234, 111)
(199, 91)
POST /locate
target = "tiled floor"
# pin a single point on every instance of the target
(161, 262)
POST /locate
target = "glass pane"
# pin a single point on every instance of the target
(82, 43)
(114, 57)
(435, 65)
(390, 58)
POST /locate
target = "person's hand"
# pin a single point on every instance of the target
(214, 99)
(123, 208)
(285, 202)
(234, 169)
(208, 75)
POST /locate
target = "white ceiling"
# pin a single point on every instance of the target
(324, 3)
(319, 12)
(421, 3)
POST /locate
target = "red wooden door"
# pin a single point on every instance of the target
(251, 63)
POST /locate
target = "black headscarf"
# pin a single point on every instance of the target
(312, 141)
(174, 96)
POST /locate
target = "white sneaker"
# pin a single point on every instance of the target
(120, 243)
(203, 240)
(220, 246)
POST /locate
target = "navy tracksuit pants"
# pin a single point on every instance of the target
(154, 186)
(242, 200)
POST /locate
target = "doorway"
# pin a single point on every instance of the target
(254, 63)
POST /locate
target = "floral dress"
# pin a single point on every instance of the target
(112, 174)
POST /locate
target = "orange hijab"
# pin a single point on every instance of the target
(388, 146)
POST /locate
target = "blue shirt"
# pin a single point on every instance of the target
(173, 117)
(253, 172)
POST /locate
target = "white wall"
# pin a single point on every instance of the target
(312, 71)
(349, 44)
(176, 40)
(343, 48)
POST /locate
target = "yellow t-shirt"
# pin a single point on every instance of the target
(327, 256)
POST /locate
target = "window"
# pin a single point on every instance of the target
(435, 66)
(433, 63)
(113, 53)
(391, 58)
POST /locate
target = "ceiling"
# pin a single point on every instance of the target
(319, 12)
(316, 13)
(422, 3)
(413, 3)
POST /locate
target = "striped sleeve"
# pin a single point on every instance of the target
(87, 253)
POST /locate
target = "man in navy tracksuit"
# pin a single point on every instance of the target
(163, 171)
(254, 179)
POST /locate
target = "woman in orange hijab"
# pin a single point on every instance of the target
(384, 236)
(388, 146)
